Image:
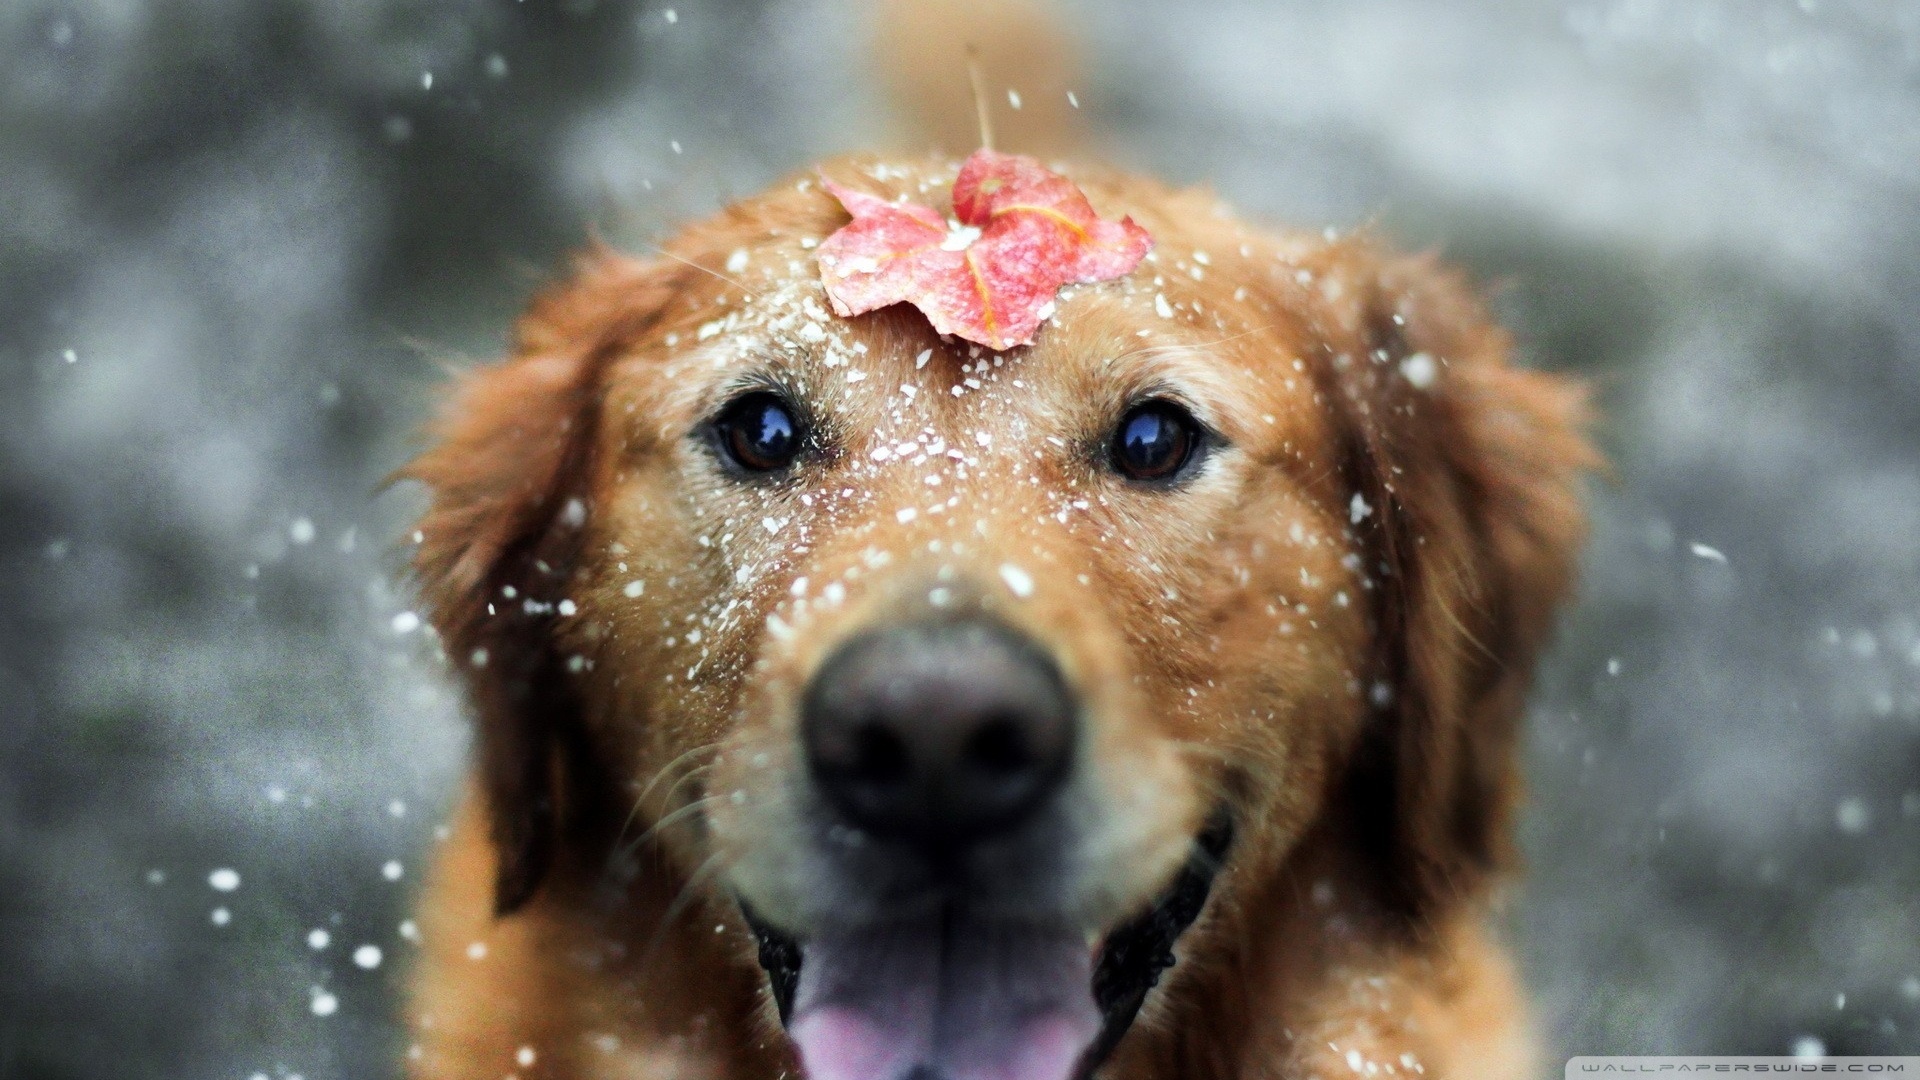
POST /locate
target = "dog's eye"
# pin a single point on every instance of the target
(1154, 441)
(759, 432)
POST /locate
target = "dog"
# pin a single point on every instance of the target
(864, 702)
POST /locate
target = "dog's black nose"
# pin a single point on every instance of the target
(938, 734)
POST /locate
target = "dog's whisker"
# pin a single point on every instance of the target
(1187, 348)
(661, 773)
(640, 800)
(668, 798)
(689, 892)
(667, 821)
(692, 774)
(705, 270)
(1218, 752)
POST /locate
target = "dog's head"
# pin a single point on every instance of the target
(957, 668)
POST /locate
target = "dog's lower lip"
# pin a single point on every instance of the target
(1128, 962)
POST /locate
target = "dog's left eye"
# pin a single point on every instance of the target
(759, 432)
(1155, 441)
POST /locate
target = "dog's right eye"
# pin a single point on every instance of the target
(759, 432)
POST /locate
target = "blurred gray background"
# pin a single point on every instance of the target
(238, 238)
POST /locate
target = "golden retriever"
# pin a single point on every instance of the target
(870, 704)
(1143, 700)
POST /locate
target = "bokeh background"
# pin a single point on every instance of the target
(241, 239)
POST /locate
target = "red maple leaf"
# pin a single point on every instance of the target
(990, 276)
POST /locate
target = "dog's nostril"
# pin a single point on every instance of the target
(998, 747)
(880, 757)
(939, 734)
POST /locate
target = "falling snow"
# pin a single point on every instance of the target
(202, 474)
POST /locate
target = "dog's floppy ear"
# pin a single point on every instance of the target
(1467, 476)
(507, 473)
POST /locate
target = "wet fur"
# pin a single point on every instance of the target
(590, 859)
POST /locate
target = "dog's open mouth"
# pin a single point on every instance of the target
(951, 996)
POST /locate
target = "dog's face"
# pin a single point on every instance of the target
(943, 662)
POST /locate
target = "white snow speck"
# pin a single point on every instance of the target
(1808, 1048)
(406, 623)
(70, 356)
(221, 916)
(224, 879)
(367, 956)
(568, 609)
(920, 359)
(1161, 307)
(1419, 370)
(392, 870)
(737, 261)
(671, 16)
(959, 237)
(1853, 816)
(301, 531)
(477, 951)
(633, 589)
(1013, 98)
(1711, 554)
(410, 931)
(1073, 99)
(325, 1004)
(905, 515)
(1358, 509)
(1019, 582)
(1613, 665)
(1355, 1061)
(524, 1057)
(574, 514)
(318, 939)
(396, 808)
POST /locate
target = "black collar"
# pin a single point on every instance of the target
(1131, 961)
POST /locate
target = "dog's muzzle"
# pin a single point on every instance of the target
(1130, 962)
(949, 746)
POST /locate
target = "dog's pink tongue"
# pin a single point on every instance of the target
(953, 998)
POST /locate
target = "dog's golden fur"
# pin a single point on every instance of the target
(1330, 631)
